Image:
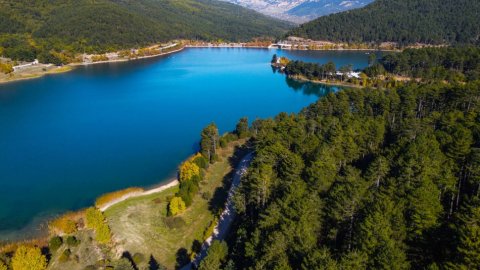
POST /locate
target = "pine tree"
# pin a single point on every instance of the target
(216, 255)
(469, 235)
(242, 128)
(209, 142)
(380, 235)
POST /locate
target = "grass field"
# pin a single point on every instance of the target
(141, 225)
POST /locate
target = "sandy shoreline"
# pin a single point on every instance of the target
(171, 183)
(125, 59)
(38, 229)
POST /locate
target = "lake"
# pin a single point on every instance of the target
(65, 139)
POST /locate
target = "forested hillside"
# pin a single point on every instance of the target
(405, 22)
(445, 63)
(85, 25)
(364, 179)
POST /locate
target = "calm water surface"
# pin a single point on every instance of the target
(67, 138)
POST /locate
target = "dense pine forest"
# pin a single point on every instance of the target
(385, 178)
(445, 63)
(364, 179)
(28, 28)
(405, 22)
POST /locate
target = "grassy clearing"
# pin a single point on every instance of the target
(141, 225)
(33, 72)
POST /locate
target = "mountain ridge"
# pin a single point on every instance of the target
(105, 25)
(300, 11)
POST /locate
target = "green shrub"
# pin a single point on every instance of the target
(223, 142)
(233, 137)
(201, 161)
(102, 263)
(72, 241)
(55, 243)
(138, 258)
(174, 222)
(65, 255)
(206, 195)
(209, 230)
(215, 158)
(122, 264)
(230, 137)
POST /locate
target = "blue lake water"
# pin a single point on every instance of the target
(67, 138)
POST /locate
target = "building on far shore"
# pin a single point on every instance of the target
(35, 62)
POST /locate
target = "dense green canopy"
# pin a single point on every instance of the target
(405, 22)
(365, 179)
(96, 25)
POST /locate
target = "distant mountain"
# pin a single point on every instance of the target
(300, 10)
(404, 22)
(104, 24)
(315, 8)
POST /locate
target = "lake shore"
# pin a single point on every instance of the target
(326, 82)
(34, 73)
(117, 207)
(39, 232)
(171, 183)
(41, 70)
(125, 59)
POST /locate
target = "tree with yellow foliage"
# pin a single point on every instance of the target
(3, 266)
(103, 234)
(94, 218)
(96, 221)
(64, 224)
(6, 68)
(284, 61)
(176, 206)
(29, 258)
(188, 170)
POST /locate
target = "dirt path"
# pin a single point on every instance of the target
(227, 216)
(161, 188)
